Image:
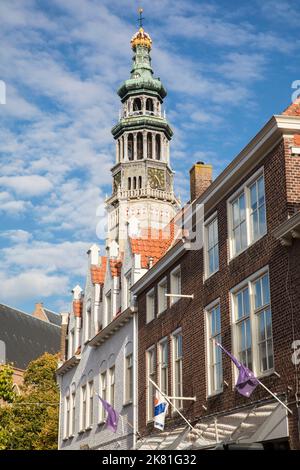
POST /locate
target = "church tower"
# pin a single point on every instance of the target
(142, 176)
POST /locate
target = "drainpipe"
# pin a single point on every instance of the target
(135, 379)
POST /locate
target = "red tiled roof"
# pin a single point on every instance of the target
(77, 308)
(293, 109)
(115, 267)
(153, 243)
(98, 272)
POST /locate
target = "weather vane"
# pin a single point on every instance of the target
(140, 19)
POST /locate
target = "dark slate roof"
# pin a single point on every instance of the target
(53, 318)
(25, 337)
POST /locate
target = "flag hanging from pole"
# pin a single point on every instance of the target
(246, 382)
(112, 418)
(160, 411)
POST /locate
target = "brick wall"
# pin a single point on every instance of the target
(284, 271)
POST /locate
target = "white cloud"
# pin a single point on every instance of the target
(32, 284)
(16, 236)
(28, 186)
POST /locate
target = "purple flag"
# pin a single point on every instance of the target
(246, 382)
(112, 418)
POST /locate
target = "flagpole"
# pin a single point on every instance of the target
(276, 398)
(260, 383)
(175, 408)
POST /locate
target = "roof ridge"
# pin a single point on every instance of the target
(28, 315)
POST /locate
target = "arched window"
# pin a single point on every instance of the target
(137, 105)
(139, 146)
(157, 146)
(149, 105)
(149, 145)
(134, 182)
(130, 146)
(129, 184)
(140, 182)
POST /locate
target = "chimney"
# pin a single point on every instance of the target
(200, 179)
(39, 312)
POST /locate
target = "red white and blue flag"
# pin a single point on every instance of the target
(160, 411)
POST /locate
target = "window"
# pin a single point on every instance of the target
(212, 247)
(130, 147)
(149, 145)
(177, 367)
(137, 105)
(67, 418)
(262, 312)
(83, 408)
(149, 105)
(127, 289)
(175, 284)
(91, 403)
(162, 298)
(128, 378)
(108, 308)
(73, 410)
(103, 394)
(112, 386)
(157, 146)
(214, 356)
(258, 208)
(253, 324)
(239, 227)
(163, 366)
(150, 306)
(151, 372)
(139, 146)
(247, 215)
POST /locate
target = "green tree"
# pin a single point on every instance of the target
(6, 383)
(31, 420)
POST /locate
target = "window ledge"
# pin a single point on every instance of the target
(88, 428)
(128, 403)
(162, 312)
(247, 247)
(215, 394)
(208, 276)
(101, 423)
(266, 374)
(81, 431)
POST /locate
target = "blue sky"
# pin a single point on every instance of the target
(228, 67)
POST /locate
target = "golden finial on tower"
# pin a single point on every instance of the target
(141, 38)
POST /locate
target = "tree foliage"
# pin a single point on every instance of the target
(30, 421)
(6, 383)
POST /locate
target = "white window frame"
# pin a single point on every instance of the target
(88, 323)
(161, 343)
(150, 310)
(67, 432)
(177, 403)
(173, 287)
(112, 385)
(244, 189)
(253, 321)
(90, 404)
(162, 300)
(208, 309)
(102, 412)
(128, 378)
(73, 412)
(149, 386)
(213, 218)
(82, 414)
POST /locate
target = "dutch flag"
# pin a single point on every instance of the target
(160, 411)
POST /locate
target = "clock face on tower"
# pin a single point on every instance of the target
(156, 178)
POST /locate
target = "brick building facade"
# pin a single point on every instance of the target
(246, 286)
